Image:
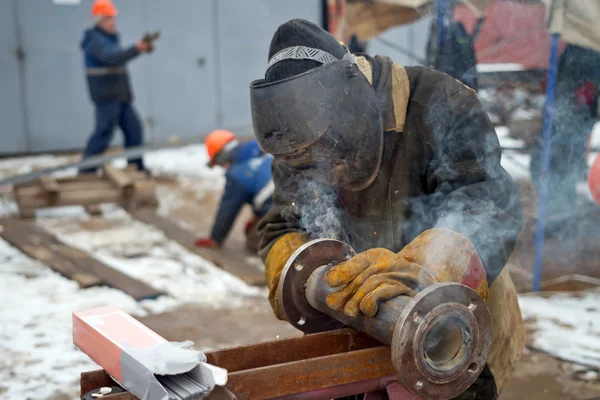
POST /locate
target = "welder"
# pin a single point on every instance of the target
(248, 181)
(108, 81)
(403, 164)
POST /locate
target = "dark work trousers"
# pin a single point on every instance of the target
(108, 116)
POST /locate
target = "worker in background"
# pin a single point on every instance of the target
(248, 181)
(573, 117)
(403, 164)
(108, 82)
(457, 55)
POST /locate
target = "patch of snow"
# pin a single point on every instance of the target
(37, 357)
(506, 141)
(525, 114)
(188, 161)
(8, 207)
(567, 325)
(595, 137)
(483, 68)
(145, 253)
(515, 163)
(23, 165)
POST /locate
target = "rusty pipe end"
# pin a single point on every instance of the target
(441, 341)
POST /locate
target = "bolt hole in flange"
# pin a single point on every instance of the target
(416, 317)
(445, 343)
(301, 321)
(472, 305)
(299, 267)
(419, 384)
(473, 368)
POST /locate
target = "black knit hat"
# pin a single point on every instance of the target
(298, 32)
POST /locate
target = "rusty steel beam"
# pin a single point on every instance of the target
(288, 367)
(311, 374)
(288, 350)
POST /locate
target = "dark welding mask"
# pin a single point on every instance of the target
(325, 122)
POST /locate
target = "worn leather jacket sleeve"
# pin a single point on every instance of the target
(479, 198)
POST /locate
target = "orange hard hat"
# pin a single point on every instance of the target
(216, 141)
(594, 180)
(104, 8)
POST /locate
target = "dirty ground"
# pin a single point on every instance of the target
(216, 320)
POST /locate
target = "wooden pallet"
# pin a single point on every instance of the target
(71, 262)
(235, 263)
(127, 187)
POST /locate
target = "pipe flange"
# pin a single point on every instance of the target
(292, 283)
(441, 341)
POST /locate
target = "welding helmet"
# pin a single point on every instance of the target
(324, 122)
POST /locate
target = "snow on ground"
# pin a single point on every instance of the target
(567, 325)
(516, 163)
(23, 165)
(505, 67)
(145, 253)
(37, 357)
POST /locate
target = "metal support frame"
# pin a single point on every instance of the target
(319, 366)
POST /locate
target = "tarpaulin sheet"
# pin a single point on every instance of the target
(576, 21)
(512, 33)
(369, 19)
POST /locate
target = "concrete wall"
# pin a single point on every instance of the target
(196, 80)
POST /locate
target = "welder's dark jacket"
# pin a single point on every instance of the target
(440, 168)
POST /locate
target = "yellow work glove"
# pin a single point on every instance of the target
(281, 251)
(436, 255)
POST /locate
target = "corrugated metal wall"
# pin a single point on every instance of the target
(196, 80)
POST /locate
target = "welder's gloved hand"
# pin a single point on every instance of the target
(206, 242)
(436, 255)
(281, 251)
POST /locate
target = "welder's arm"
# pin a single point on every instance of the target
(233, 199)
(280, 231)
(478, 210)
(479, 199)
(111, 54)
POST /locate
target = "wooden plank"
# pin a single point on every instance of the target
(113, 277)
(50, 187)
(99, 184)
(36, 243)
(127, 189)
(119, 177)
(231, 262)
(93, 209)
(82, 197)
(74, 263)
(121, 180)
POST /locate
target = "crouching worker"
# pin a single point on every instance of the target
(403, 164)
(248, 181)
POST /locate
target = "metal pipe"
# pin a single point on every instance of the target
(380, 328)
(439, 339)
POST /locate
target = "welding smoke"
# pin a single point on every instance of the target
(320, 214)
